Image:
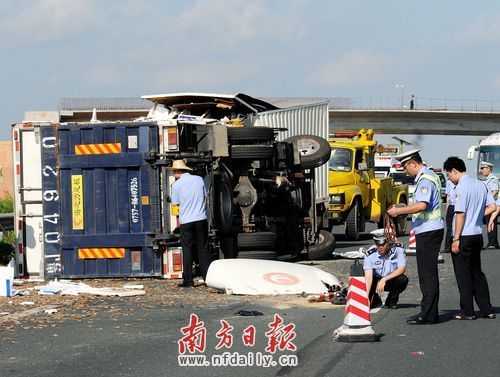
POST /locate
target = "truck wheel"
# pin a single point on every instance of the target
(314, 150)
(227, 248)
(401, 222)
(246, 135)
(251, 152)
(352, 223)
(257, 254)
(223, 203)
(258, 240)
(324, 248)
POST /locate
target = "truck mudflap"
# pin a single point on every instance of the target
(101, 208)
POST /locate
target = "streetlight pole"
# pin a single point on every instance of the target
(402, 87)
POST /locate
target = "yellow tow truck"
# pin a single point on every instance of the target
(356, 196)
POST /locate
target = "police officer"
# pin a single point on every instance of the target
(428, 226)
(492, 185)
(384, 271)
(472, 202)
(450, 212)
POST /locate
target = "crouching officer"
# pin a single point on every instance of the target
(384, 271)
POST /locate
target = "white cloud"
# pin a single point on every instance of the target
(104, 75)
(483, 29)
(49, 20)
(353, 68)
(496, 81)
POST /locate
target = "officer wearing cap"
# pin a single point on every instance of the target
(384, 271)
(428, 226)
(472, 202)
(492, 185)
(189, 192)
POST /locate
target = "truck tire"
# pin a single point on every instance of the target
(324, 248)
(257, 254)
(223, 203)
(314, 150)
(251, 152)
(227, 248)
(256, 241)
(401, 222)
(246, 135)
(352, 223)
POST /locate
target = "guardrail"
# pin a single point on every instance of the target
(104, 103)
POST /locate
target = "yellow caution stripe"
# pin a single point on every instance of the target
(102, 252)
(110, 148)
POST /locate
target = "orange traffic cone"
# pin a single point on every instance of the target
(412, 244)
(412, 247)
(357, 325)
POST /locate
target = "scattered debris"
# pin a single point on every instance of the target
(417, 353)
(339, 297)
(27, 303)
(355, 254)
(133, 286)
(67, 287)
(248, 313)
(50, 311)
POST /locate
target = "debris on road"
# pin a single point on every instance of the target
(67, 287)
(248, 313)
(268, 277)
(355, 254)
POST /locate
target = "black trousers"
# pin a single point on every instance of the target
(492, 236)
(428, 246)
(394, 286)
(471, 280)
(195, 232)
(450, 212)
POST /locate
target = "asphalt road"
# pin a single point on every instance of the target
(142, 340)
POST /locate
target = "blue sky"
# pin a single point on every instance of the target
(89, 48)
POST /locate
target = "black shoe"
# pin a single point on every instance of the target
(489, 316)
(376, 302)
(463, 317)
(492, 247)
(185, 285)
(392, 306)
(416, 320)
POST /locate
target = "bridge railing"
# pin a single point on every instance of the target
(420, 103)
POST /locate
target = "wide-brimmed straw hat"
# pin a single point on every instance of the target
(179, 165)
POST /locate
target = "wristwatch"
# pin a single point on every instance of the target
(456, 239)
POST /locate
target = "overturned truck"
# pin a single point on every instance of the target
(93, 198)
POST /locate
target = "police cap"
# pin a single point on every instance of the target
(485, 164)
(379, 236)
(407, 156)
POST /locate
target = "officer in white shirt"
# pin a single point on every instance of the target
(450, 213)
(384, 271)
(493, 186)
(472, 202)
(428, 226)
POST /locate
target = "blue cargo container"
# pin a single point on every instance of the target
(101, 201)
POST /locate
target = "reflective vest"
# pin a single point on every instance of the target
(436, 212)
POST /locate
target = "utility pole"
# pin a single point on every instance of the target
(401, 143)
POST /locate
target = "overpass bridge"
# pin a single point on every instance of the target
(430, 116)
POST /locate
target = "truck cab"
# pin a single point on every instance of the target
(356, 194)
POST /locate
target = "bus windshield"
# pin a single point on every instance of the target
(490, 153)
